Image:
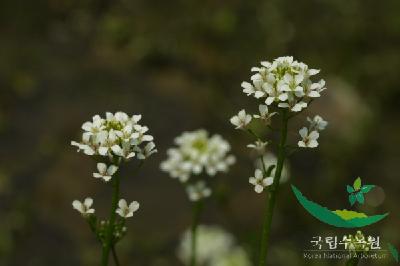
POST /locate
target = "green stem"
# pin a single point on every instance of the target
(271, 200)
(114, 254)
(110, 228)
(197, 209)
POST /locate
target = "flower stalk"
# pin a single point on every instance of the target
(286, 87)
(197, 210)
(115, 257)
(113, 140)
(271, 199)
(110, 228)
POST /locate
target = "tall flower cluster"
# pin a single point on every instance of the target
(283, 85)
(215, 247)
(197, 153)
(283, 88)
(111, 140)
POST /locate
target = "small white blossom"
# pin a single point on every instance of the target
(241, 120)
(248, 88)
(126, 211)
(311, 90)
(147, 151)
(197, 152)
(198, 191)
(293, 105)
(259, 181)
(264, 115)
(258, 145)
(105, 172)
(309, 139)
(317, 123)
(85, 207)
(275, 95)
(291, 83)
(124, 150)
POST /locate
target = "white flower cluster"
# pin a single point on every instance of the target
(215, 247)
(310, 135)
(285, 82)
(197, 152)
(116, 137)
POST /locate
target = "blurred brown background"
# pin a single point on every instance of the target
(180, 64)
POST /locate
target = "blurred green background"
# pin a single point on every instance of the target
(180, 64)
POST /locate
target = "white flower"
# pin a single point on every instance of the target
(126, 211)
(317, 123)
(311, 90)
(94, 127)
(291, 83)
(258, 145)
(198, 191)
(241, 120)
(309, 139)
(105, 147)
(259, 181)
(142, 136)
(126, 134)
(264, 114)
(293, 105)
(195, 153)
(248, 88)
(147, 151)
(105, 172)
(85, 207)
(275, 95)
(125, 151)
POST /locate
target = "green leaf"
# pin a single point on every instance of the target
(360, 197)
(367, 188)
(352, 199)
(350, 189)
(394, 252)
(357, 183)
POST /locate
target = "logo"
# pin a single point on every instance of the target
(355, 247)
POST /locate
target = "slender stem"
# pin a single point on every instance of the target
(263, 163)
(110, 228)
(197, 209)
(114, 254)
(269, 210)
